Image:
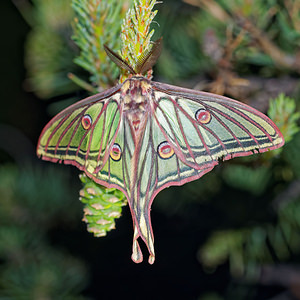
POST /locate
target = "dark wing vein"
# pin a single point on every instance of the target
(109, 146)
(253, 122)
(102, 134)
(74, 132)
(195, 124)
(92, 131)
(150, 147)
(227, 128)
(183, 133)
(124, 157)
(234, 121)
(175, 138)
(66, 130)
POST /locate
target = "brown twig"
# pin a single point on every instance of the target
(280, 58)
(214, 8)
(226, 82)
(293, 9)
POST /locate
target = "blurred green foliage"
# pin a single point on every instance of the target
(249, 248)
(283, 111)
(269, 43)
(49, 50)
(36, 201)
(97, 23)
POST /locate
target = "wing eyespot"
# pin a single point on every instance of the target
(165, 150)
(116, 152)
(203, 116)
(86, 122)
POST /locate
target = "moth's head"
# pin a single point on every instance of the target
(136, 87)
(145, 63)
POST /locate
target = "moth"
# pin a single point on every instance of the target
(142, 136)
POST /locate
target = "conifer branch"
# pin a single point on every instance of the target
(96, 23)
(136, 33)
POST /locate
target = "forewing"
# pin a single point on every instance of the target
(205, 128)
(83, 134)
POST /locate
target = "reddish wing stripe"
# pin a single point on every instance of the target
(138, 181)
(75, 130)
(227, 128)
(92, 131)
(249, 109)
(102, 134)
(253, 122)
(148, 200)
(156, 163)
(108, 149)
(124, 167)
(164, 132)
(195, 124)
(167, 120)
(124, 163)
(82, 139)
(177, 144)
(66, 130)
(126, 130)
(66, 112)
(124, 157)
(73, 134)
(200, 97)
(54, 131)
(154, 156)
(178, 169)
(234, 121)
(150, 147)
(115, 134)
(108, 170)
(137, 158)
(183, 134)
(214, 135)
(80, 143)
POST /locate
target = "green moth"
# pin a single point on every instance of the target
(142, 136)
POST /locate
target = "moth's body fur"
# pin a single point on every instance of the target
(135, 94)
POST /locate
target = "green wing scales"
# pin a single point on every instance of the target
(83, 134)
(143, 136)
(204, 128)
